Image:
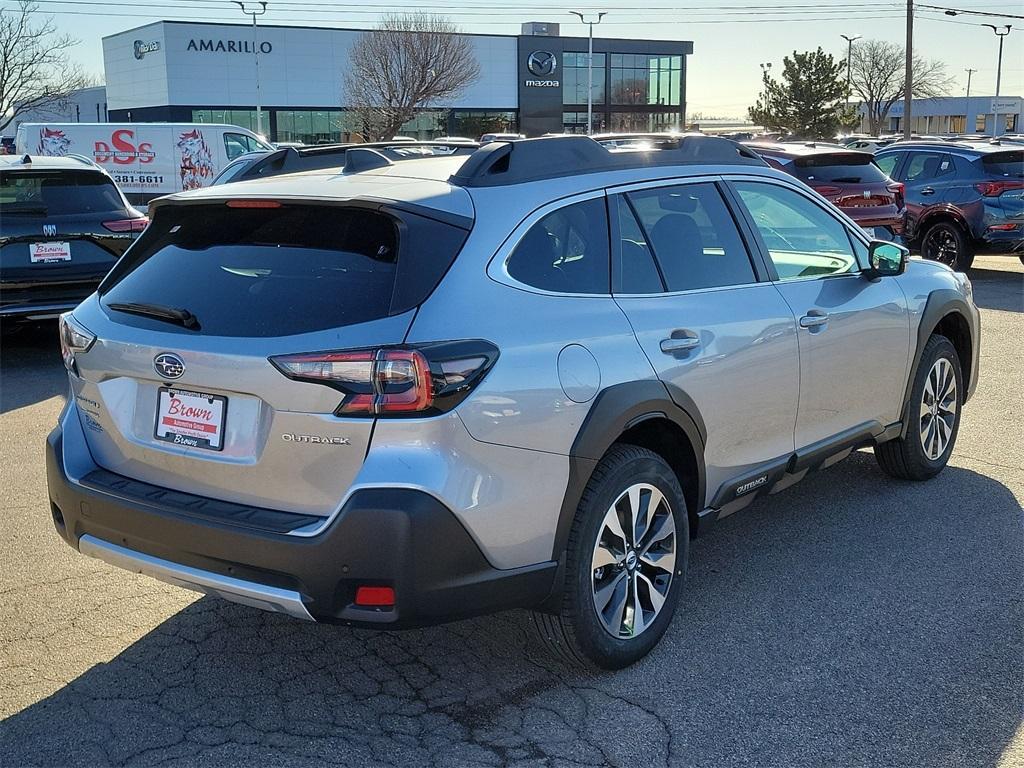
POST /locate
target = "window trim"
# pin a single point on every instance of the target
(851, 227)
(497, 266)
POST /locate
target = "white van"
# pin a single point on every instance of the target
(146, 160)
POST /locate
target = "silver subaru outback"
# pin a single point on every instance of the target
(417, 390)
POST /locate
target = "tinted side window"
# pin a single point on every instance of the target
(802, 239)
(693, 236)
(927, 165)
(888, 163)
(236, 145)
(636, 271)
(566, 251)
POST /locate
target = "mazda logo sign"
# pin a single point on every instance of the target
(541, 63)
(169, 365)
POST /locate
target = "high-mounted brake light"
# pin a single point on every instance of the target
(395, 381)
(996, 188)
(137, 224)
(253, 204)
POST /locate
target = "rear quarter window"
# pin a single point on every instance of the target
(1004, 163)
(282, 271)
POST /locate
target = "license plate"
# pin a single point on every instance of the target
(49, 253)
(191, 419)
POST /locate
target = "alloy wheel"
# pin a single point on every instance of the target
(940, 245)
(938, 408)
(634, 561)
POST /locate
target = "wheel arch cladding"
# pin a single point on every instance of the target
(950, 215)
(945, 313)
(647, 414)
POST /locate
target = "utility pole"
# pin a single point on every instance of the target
(967, 105)
(908, 78)
(590, 67)
(256, 57)
(997, 127)
(849, 58)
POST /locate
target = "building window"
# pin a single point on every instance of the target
(576, 122)
(575, 77)
(979, 123)
(243, 118)
(645, 122)
(310, 126)
(640, 78)
(473, 125)
(957, 124)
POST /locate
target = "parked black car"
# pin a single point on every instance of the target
(63, 225)
(962, 198)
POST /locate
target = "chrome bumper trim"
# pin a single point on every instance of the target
(249, 593)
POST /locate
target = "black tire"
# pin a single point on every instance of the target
(577, 634)
(905, 457)
(947, 243)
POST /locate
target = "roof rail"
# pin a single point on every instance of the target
(364, 159)
(295, 159)
(83, 159)
(552, 157)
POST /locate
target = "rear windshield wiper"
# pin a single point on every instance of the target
(182, 317)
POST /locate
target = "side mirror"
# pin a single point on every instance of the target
(886, 259)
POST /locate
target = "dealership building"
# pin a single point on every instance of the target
(532, 83)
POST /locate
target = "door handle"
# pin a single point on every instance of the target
(814, 319)
(928, 191)
(684, 344)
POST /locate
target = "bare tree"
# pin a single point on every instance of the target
(409, 61)
(35, 71)
(877, 77)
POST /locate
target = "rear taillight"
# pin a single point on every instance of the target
(996, 188)
(419, 380)
(127, 225)
(75, 338)
(897, 188)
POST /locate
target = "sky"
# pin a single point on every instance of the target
(731, 37)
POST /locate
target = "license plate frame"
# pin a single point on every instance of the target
(178, 431)
(59, 252)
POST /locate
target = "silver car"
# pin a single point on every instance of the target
(428, 388)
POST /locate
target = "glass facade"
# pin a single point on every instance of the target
(575, 78)
(641, 78)
(474, 124)
(243, 118)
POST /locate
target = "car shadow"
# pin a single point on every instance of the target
(852, 620)
(998, 289)
(30, 366)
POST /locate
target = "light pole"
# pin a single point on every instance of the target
(849, 57)
(590, 66)
(967, 105)
(256, 57)
(908, 76)
(997, 128)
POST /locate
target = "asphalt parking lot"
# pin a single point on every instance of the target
(851, 621)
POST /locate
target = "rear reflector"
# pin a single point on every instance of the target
(127, 225)
(253, 204)
(1003, 227)
(375, 597)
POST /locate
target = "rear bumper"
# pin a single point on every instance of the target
(397, 537)
(996, 241)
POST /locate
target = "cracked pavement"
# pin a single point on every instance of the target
(851, 620)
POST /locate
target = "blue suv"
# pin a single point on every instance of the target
(962, 198)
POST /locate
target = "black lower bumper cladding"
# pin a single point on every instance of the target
(401, 538)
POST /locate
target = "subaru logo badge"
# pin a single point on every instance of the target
(49, 230)
(169, 365)
(541, 63)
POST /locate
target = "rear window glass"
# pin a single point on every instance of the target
(1005, 163)
(58, 193)
(850, 168)
(281, 271)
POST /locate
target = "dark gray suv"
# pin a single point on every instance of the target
(63, 225)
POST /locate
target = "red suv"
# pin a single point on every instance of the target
(850, 180)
